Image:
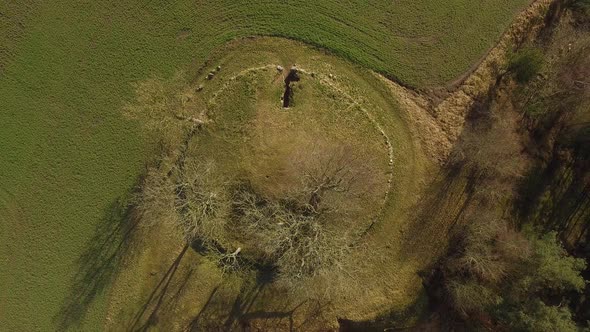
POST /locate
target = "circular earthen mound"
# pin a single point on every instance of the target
(281, 151)
(341, 147)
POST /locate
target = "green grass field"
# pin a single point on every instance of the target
(66, 69)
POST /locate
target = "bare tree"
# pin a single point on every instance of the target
(332, 179)
(300, 241)
(331, 174)
(295, 233)
(308, 248)
(201, 200)
(303, 234)
(156, 198)
(169, 108)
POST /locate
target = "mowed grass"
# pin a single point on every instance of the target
(66, 68)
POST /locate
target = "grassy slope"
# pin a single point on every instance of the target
(67, 68)
(225, 139)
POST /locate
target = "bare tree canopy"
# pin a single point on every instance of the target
(235, 224)
(169, 108)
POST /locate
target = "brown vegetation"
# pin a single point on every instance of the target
(500, 272)
(300, 234)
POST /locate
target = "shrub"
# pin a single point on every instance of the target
(581, 5)
(537, 316)
(511, 277)
(471, 297)
(552, 268)
(526, 64)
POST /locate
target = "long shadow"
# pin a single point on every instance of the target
(394, 320)
(214, 315)
(193, 326)
(271, 320)
(221, 313)
(440, 212)
(442, 208)
(556, 196)
(452, 196)
(145, 317)
(98, 263)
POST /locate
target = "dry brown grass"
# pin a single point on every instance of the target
(249, 136)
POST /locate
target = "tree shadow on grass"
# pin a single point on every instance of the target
(242, 312)
(98, 263)
(556, 197)
(147, 316)
(443, 207)
(219, 312)
(420, 310)
(440, 212)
